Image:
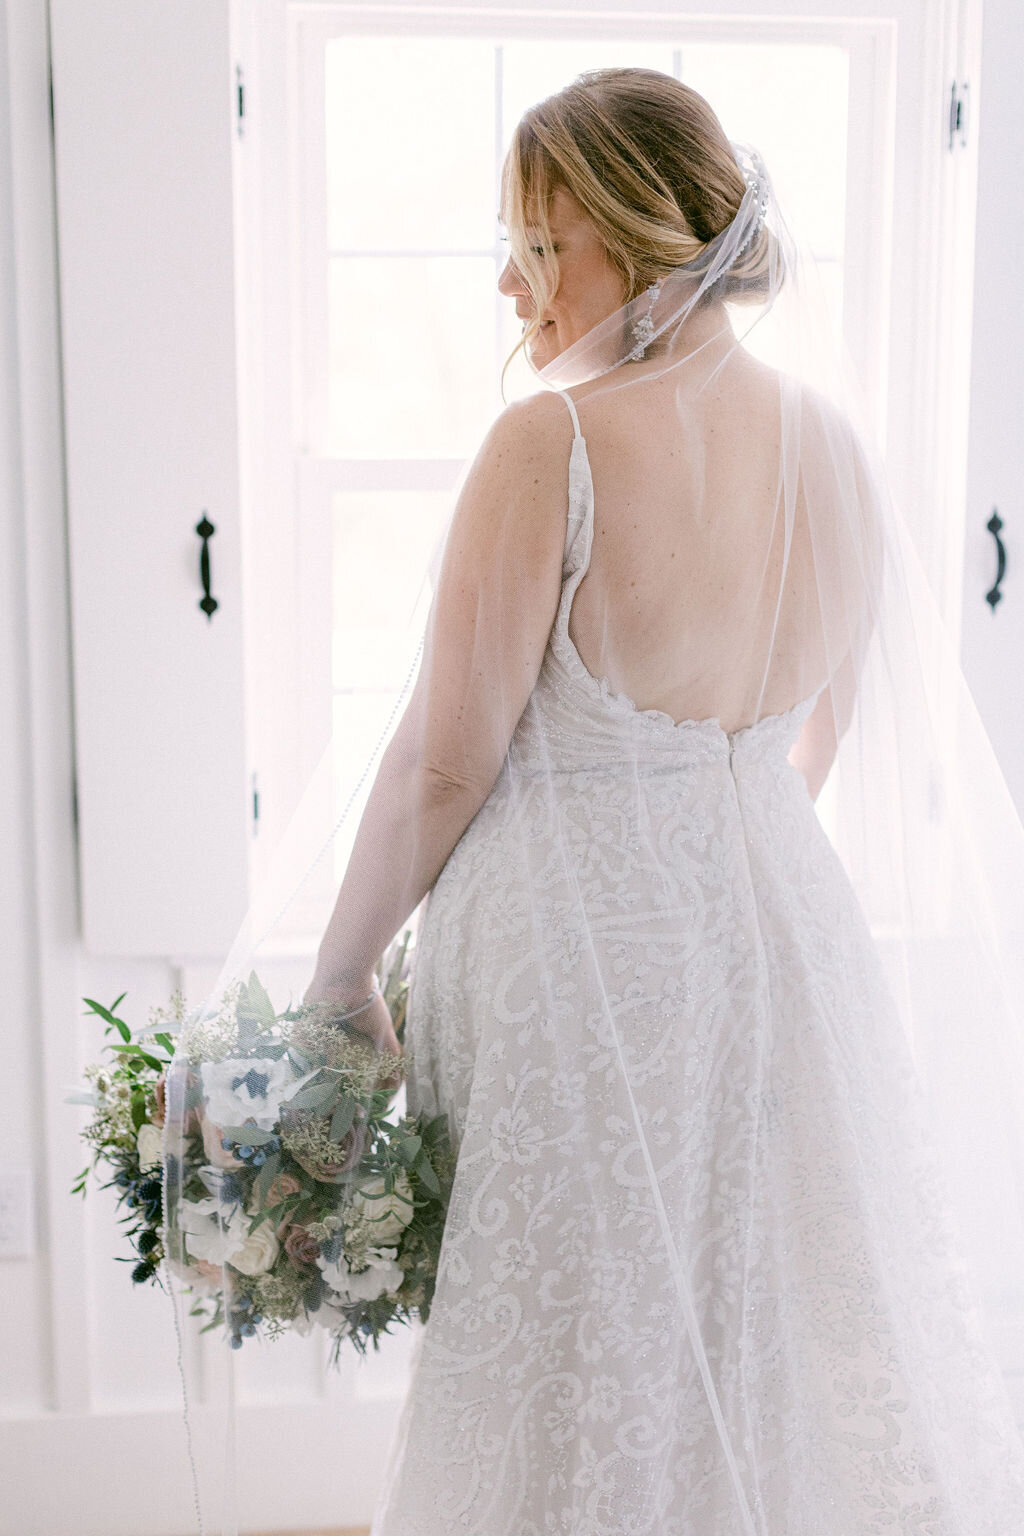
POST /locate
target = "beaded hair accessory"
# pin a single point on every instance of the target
(757, 180)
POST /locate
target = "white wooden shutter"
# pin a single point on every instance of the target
(993, 636)
(144, 100)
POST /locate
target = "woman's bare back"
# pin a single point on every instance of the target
(692, 603)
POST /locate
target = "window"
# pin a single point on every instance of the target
(403, 333)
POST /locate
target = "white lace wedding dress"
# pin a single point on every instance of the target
(555, 1388)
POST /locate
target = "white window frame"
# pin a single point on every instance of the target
(906, 321)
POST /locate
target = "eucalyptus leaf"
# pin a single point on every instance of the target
(316, 1096)
(109, 1015)
(137, 1051)
(257, 1001)
(341, 1120)
(247, 1135)
(266, 1176)
(424, 1168)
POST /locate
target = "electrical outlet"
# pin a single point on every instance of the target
(17, 1237)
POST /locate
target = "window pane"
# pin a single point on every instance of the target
(531, 72)
(766, 93)
(410, 143)
(413, 355)
(381, 544)
(790, 101)
(414, 360)
(382, 541)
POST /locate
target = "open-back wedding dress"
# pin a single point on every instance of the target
(680, 883)
(720, 981)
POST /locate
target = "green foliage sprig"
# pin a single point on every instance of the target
(125, 1094)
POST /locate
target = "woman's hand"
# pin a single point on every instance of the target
(373, 1021)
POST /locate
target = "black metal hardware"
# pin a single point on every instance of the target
(206, 530)
(958, 103)
(993, 595)
(239, 99)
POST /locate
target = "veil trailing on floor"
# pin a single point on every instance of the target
(721, 1007)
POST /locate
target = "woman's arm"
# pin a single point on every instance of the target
(851, 557)
(492, 613)
(815, 748)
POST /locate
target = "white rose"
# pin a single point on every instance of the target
(391, 1213)
(248, 1088)
(258, 1253)
(150, 1144)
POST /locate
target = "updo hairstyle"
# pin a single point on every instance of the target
(652, 168)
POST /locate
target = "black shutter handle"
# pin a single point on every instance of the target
(206, 530)
(994, 524)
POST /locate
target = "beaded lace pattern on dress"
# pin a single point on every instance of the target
(695, 901)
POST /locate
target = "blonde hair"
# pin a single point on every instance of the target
(653, 170)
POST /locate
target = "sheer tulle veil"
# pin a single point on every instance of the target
(811, 615)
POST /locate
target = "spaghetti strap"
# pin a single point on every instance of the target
(572, 411)
(580, 523)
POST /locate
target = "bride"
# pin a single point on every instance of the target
(702, 1274)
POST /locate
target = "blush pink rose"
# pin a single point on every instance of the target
(284, 1185)
(300, 1247)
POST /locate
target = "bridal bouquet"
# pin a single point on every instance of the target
(298, 1198)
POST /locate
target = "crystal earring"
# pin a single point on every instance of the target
(643, 329)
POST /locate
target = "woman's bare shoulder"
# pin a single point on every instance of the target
(534, 420)
(521, 466)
